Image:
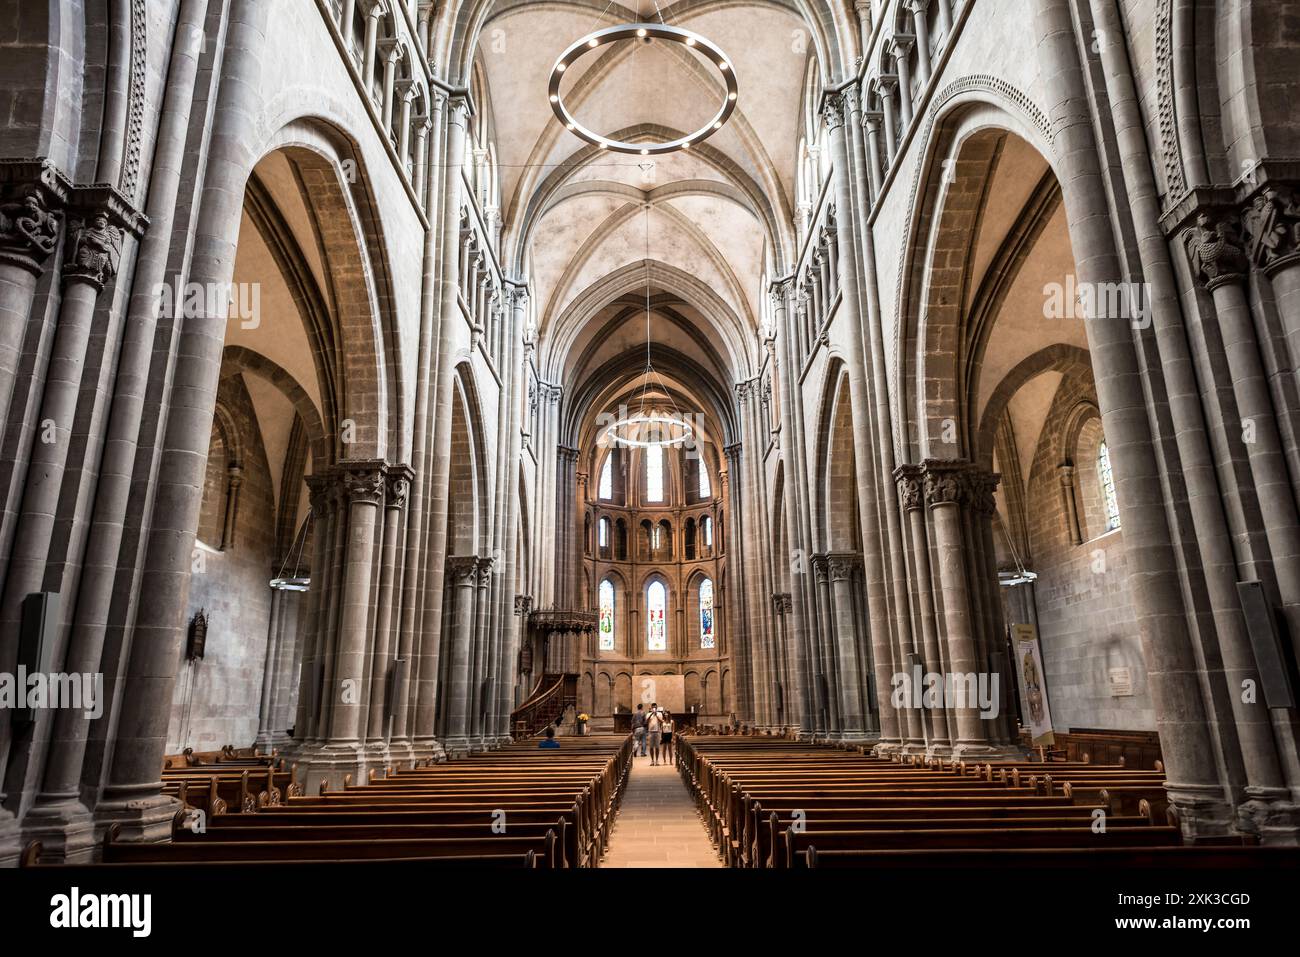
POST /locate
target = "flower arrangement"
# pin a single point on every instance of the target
(584, 717)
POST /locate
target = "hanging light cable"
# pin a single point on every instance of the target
(297, 581)
(659, 428)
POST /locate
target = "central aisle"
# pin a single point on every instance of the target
(657, 824)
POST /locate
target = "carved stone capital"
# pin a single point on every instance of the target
(523, 604)
(462, 569)
(362, 481)
(1272, 225)
(31, 194)
(1215, 250)
(834, 108)
(983, 485)
(820, 563)
(946, 482)
(910, 493)
(399, 485)
(900, 45)
(485, 566)
(843, 566)
(782, 603)
(320, 489)
(94, 249)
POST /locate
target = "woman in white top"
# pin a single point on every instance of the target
(667, 721)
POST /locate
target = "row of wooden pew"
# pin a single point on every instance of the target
(229, 781)
(519, 806)
(778, 803)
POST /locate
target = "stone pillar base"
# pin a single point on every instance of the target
(887, 749)
(146, 820)
(457, 746)
(66, 830)
(11, 846)
(401, 754)
(426, 750)
(1271, 816)
(1201, 811)
(975, 753)
(331, 764)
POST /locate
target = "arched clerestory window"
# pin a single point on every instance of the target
(606, 615)
(706, 613)
(605, 489)
(657, 617)
(1106, 481)
(654, 473)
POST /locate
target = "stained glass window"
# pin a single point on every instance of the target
(1109, 502)
(606, 489)
(706, 613)
(607, 615)
(656, 625)
(654, 473)
(706, 490)
(602, 533)
(706, 526)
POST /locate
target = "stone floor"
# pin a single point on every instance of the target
(657, 824)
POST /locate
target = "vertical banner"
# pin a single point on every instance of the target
(1033, 687)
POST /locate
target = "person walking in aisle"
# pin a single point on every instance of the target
(654, 729)
(638, 732)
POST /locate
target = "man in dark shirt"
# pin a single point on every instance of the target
(638, 731)
(549, 741)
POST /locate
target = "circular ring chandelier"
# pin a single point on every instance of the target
(626, 432)
(645, 32)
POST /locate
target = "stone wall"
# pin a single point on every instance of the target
(217, 697)
(1085, 612)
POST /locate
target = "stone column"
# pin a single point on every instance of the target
(825, 690)
(91, 259)
(871, 121)
(945, 19)
(887, 639)
(462, 575)
(918, 10)
(371, 40)
(392, 54)
(132, 794)
(1071, 503)
(899, 47)
(947, 489)
(1219, 264)
(346, 17)
(58, 819)
(910, 478)
(363, 490)
(481, 671)
(1194, 783)
(1272, 223)
(888, 84)
(438, 474)
(264, 729)
(852, 721)
(29, 231)
(397, 488)
(234, 481)
(798, 627)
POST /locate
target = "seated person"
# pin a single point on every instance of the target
(549, 741)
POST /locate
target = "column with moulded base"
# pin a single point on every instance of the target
(462, 576)
(911, 494)
(342, 751)
(853, 726)
(948, 488)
